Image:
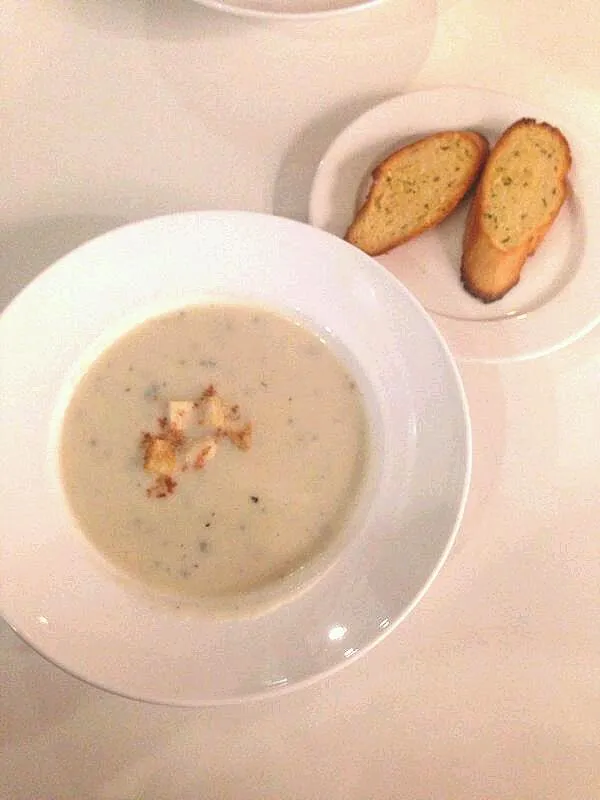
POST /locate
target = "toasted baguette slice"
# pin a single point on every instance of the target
(521, 191)
(417, 187)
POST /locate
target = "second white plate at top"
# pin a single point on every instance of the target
(556, 300)
(289, 9)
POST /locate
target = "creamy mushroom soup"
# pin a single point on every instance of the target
(214, 450)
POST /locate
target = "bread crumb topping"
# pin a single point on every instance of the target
(189, 436)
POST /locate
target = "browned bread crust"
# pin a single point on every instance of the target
(416, 187)
(522, 188)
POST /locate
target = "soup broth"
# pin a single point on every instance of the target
(214, 450)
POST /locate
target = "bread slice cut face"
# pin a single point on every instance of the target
(522, 188)
(417, 187)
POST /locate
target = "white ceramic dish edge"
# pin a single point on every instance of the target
(240, 10)
(519, 336)
(392, 624)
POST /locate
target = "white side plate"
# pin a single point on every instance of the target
(555, 301)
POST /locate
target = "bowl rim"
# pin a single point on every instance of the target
(450, 364)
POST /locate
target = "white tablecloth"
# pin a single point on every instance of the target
(113, 110)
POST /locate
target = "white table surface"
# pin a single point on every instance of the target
(113, 110)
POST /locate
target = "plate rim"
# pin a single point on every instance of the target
(233, 8)
(458, 332)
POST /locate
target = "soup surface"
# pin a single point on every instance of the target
(214, 450)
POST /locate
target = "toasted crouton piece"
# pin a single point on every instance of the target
(417, 187)
(521, 191)
(242, 437)
(212, 411)
(160, 457)
(198, 453)
(180, 414)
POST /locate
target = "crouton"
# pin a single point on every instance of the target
(180, 414)
(159, 457)
(241, 438)
(212, 411)
(199, 452)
